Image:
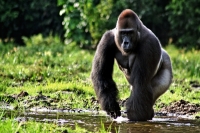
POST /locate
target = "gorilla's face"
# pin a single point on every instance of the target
(126, 40)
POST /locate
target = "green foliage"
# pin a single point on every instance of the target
(86, 21)
(101, 12)
(74, 22)
(184, 21)
(81, 20)
(26, 18)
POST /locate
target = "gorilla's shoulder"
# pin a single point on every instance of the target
(109, 34)
(108, 38)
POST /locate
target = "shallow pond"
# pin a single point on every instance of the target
(93, 121)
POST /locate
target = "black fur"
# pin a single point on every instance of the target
(146, 66)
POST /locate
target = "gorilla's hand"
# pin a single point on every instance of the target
(114, 114)
(112, 108)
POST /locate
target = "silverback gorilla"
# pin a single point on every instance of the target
(146, 66)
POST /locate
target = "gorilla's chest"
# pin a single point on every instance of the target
(125, 62)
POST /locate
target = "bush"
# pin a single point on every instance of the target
(184, 21)
(28, 17)
(85, 21)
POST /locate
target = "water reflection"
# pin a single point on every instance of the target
(94, 121)
(158, 125)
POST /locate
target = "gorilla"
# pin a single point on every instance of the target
(139, 55)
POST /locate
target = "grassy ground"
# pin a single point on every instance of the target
(186, 71)
(46, 66)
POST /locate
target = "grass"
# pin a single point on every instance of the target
(186, 71)
(12, 126)
(47, 65)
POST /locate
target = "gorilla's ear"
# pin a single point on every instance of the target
(138, 34)
(139, 25)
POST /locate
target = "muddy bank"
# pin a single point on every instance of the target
(45, 103)
(24, 101)
(96, 122)
(182, 107)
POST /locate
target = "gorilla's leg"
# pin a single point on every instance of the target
(163, 78)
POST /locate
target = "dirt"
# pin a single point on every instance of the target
(182, 107)
(26, 101)
(195, 84)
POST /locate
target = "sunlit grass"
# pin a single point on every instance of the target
(53, 68)
(51, 88)
(186, 69)
(186, 64)
(12, 126)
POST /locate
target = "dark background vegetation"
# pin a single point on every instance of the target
(84, 21)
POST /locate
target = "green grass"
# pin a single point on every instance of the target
(47, 65)
(186, 70)
(12, 126)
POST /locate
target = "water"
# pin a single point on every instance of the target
(93, 121)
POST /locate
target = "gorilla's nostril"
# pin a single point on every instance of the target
(126, 43)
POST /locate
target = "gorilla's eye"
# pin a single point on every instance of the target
(123, 35)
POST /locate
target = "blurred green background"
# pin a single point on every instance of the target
(47, 47)
(84, 21)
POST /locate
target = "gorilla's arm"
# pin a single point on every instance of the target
(101, 75)
(141, 100)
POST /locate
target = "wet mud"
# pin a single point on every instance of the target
(93, 121)
(171, 119)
